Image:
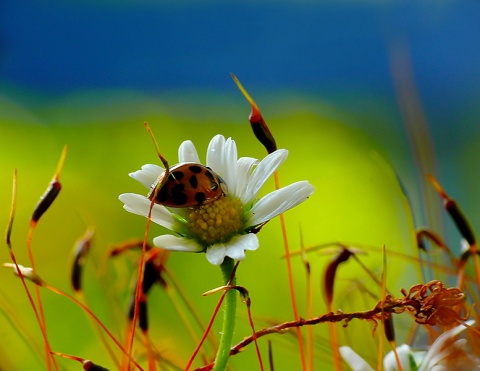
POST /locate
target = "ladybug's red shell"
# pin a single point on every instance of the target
(189, 184)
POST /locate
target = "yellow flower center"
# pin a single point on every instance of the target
(216, 221)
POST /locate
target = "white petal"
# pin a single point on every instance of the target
(438, 359)
(237, 246)
(140, 205)
(230, 166)
(390, 362)
(439, 368)
(215, 155)
(236, 254)
(244, 172)
(262, 172)
(170, 242)
(187, 152)
(148, 175)
(279, 201)
(355, 362)
(216, 253)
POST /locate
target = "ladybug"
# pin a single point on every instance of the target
(188, 184)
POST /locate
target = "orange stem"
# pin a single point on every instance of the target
(90, 313)
(41, 314)
(290, 280)
(207, 330)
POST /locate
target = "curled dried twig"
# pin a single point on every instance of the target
(431, 304)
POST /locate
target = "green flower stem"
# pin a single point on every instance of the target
(230, 307)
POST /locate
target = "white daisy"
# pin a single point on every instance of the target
(232, 235)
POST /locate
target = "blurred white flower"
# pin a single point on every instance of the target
(446, 353)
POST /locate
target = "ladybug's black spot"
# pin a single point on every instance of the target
(177, 175)
(193, 181)
(195, 169)
(162, 195)
(200, 197)
(179, 198)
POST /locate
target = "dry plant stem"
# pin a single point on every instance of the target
(90, 313)
(43, 205)
(397, 359)
(190, 306)
(38, 316)
(270, 355)
(150, 353)
(417, 126)
(99, 332)
(138, 293)
(264, 136)
(87, 365)
(382, 309)
(183, 316)
(133, 324)
(42, 323)
(290, 280)
(369, 272)
(11, 315)
(34, 307)
(310, 329)
(308, 272)
(257, 349)
(370, 315)
(141, 268)
(463, 227)
(12, 257)
(282, 327)
(380, 350)
(207, 331)
(329, 283)
(333, 344)
(257, 123)
(384, 294)
(13, 208)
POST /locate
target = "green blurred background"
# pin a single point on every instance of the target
(342, 85)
